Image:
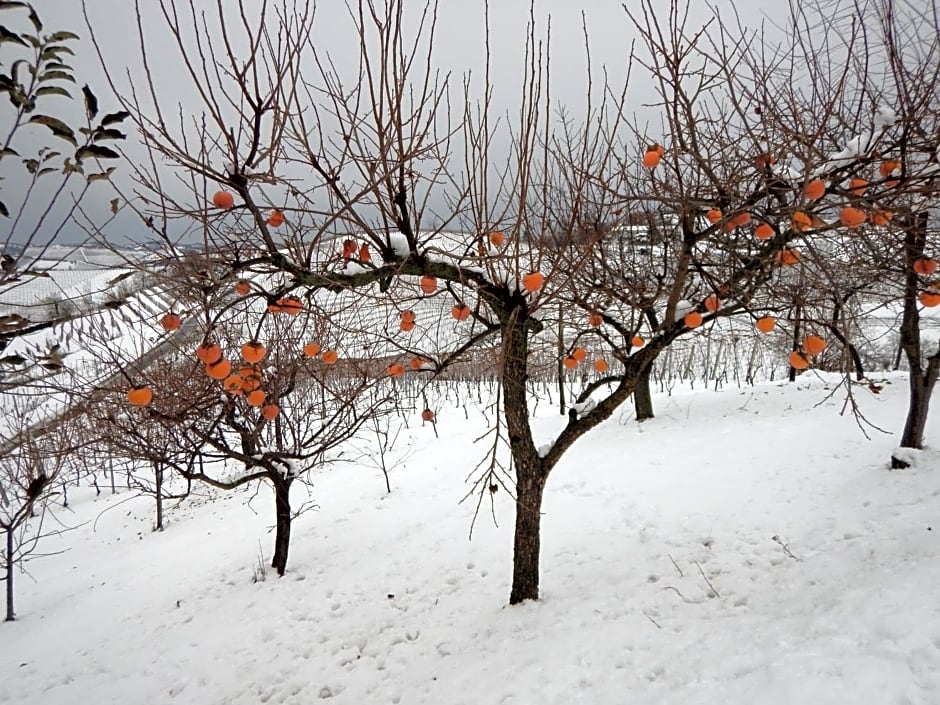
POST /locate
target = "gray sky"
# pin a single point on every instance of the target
(458, 47)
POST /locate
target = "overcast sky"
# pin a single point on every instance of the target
(458, 47)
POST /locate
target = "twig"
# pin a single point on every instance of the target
(655, 623)
(785, 547)
(705, 577)
(684, 598)
(676, 565)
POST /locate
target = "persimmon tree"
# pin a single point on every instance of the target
(865, 139)
(263, 398)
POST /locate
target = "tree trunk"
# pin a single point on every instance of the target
(283, 519)
(920, 388)
(527, 542)
(9, 568)
(642, 398)
(920, 381)
(158, 481)
(530, 477)
(560, 365)
(797, 333)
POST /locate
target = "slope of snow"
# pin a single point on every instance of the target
(662, 579)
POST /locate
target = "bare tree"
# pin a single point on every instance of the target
(29, 475)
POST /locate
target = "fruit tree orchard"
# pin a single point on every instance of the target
(768, 165)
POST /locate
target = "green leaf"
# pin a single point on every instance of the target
(57, 65)
(8, 152)
(112, 118)
(56, 76)
(8, 36)
(56, 49)
(11, 5)
(103, 133)
(46, 170)
(50, 155)
(59, 128)
(63, 36)
(96, 150)
(52, 90)
(6, 83)
(34, 18)
(3, 210)
(91, 103)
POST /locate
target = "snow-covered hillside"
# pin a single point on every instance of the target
(746, 546)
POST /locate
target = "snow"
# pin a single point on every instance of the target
(884, 117)
(399, 244)
(745, 546)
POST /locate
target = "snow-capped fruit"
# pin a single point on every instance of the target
(428, 284)
(311, 349)
(714, 216)
(497, 239)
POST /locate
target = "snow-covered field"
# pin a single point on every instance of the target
(662, 580)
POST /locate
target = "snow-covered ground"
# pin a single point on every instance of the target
(662, 580)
